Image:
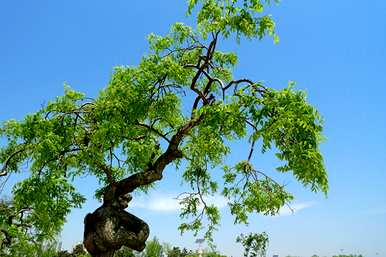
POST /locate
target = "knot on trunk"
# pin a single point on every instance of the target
(110, 227)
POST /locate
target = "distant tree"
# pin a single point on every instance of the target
(255, 245)
(348, 255)
(153, 249)
(173, 252)
(213, 254)
(176, 252)
(141, 123)
(63, 254)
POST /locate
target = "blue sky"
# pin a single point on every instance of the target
(335, 50)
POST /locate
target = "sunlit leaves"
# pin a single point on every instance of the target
(18, 235)
(51, 198)
(255, 245)
(294, 126)
(244, 18)
(249, 190)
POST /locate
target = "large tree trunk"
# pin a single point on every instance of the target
(110, 227)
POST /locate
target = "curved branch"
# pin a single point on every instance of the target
(154, 130)
(6, 163)
(249, 82)
(201, 69)
(154, 172)
(236, 82)
(108, 171)
(267, 177)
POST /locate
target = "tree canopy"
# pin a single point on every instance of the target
(180, 105)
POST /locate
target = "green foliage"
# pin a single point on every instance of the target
(18, 236)
(348, 255)
(153, 249)
(255, 245)
(50, 198)
(244, 18)
(143, 115)
(248, 194)
(213, 254)
(295, 127)
(177, 252)
(124, 252)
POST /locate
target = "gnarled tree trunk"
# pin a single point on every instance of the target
(110, 227)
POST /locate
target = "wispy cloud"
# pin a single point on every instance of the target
(169, 203)
(294, 208)
(162, 202)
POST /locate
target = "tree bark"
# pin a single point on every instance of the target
(110, 227)
(105, 254)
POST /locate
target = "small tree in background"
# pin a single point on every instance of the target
(348, 255)
(177, 252)
(255, 245)
(153, 249)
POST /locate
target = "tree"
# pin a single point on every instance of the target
(255, 245)
(214, 254)
(140, 123)
(153, 249)
(176, 252)
(348, 255)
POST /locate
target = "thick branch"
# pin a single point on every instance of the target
(201, 69)
(154, 173)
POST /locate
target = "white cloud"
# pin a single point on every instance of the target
(162, 202)
(157, 204)
(169, 203)
(294, 208)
